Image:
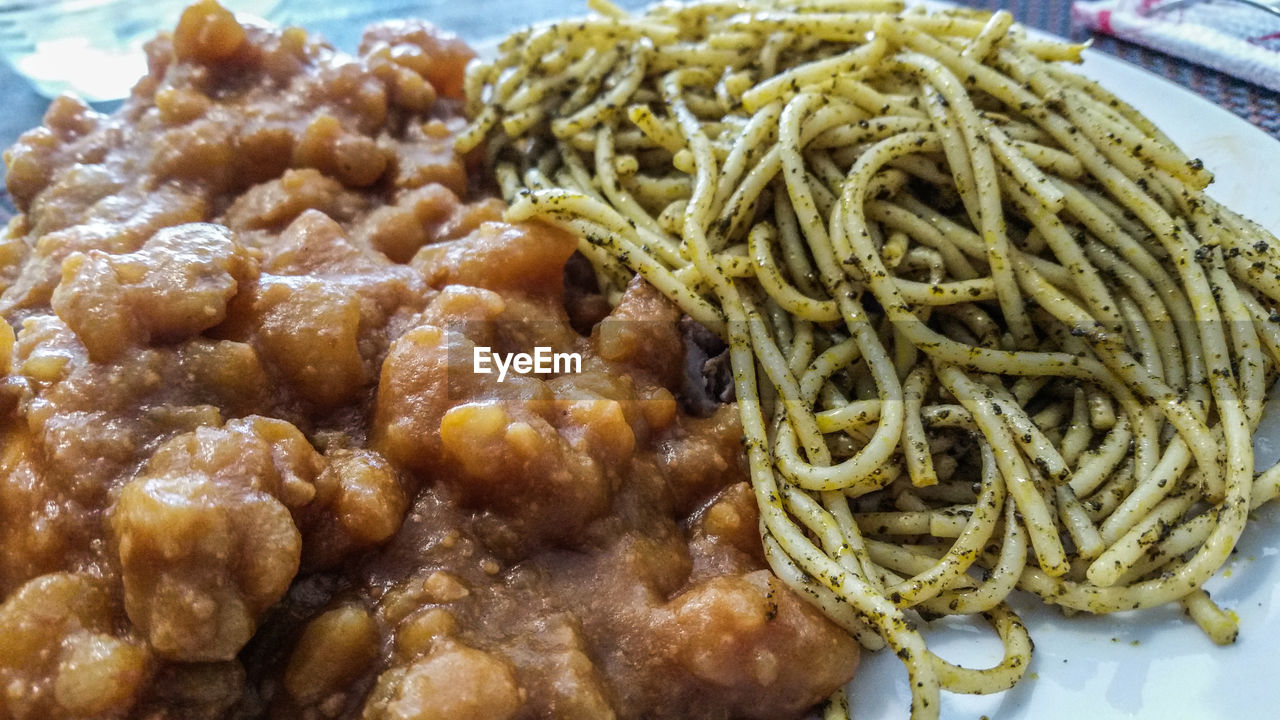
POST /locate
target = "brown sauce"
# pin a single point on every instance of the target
(246, 466)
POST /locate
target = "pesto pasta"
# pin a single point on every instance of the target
(987, 330)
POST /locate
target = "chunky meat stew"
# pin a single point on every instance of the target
(248, 468)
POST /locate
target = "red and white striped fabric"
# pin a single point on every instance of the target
(1231, 37)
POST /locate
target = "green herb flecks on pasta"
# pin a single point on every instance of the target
(987, 331)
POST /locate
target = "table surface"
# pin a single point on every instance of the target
(341, 24)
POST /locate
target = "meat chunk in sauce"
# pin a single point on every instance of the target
(174, 287)
(63, 654)
(249, 468)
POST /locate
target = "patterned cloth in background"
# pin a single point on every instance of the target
(1234, 38)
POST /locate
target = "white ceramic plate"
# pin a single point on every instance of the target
(1155, 663)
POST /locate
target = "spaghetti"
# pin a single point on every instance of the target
(987, 331)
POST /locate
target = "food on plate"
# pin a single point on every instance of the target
(852, 316)
(249, 468)
(987, 331)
